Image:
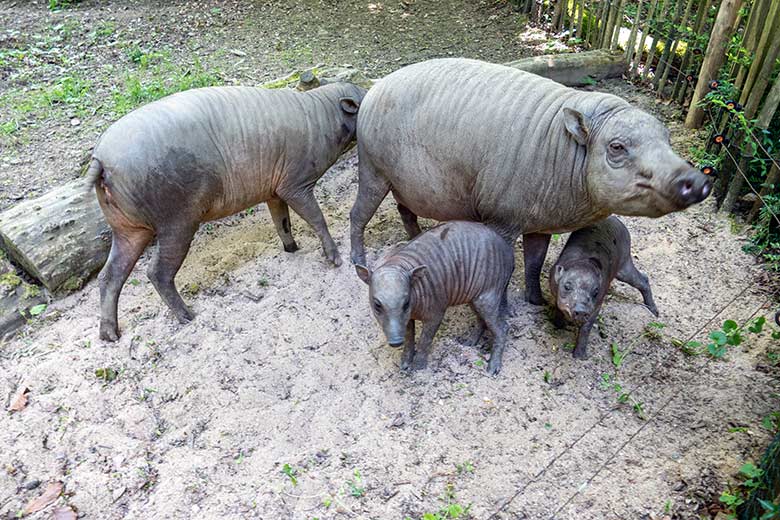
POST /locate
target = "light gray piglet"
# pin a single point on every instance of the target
(451, 264)
(579, 280)
(207, 153)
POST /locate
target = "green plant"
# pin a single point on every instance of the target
(465, 467)
(106, 374)
(450, 510)
(37, 310)
(729, 335)
(56, 5)
(291, 473)
(355, 485)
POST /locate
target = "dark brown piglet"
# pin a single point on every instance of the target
(452, 264)
(579, 280)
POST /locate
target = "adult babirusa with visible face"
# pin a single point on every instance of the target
(518, 152)
(207, 153)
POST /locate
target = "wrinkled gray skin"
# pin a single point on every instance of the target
(207, 153)
(579, 280)
(451, 264)
(458, 139)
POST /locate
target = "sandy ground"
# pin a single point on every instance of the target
(285, 366)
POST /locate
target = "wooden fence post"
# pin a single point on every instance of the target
(713, 59)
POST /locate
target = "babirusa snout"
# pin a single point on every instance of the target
(691, 187)
(580, 314)
(394, 333)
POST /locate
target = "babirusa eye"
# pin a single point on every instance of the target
(616, 147)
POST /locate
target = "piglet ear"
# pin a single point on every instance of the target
(363, 272)
(418, 272)
(349, 105)
(577, 124)
(559, 270)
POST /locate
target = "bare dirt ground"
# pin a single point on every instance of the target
(280, 401)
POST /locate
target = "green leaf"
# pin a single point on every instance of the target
(730, 325)
(758, 325)
(776, 334)
(718, 337)
(750, 471)
(716, 351)
(107, 374)
(734, 339)
(35, 310)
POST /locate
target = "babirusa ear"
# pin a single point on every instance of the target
(349, 105)
(559, 270)
(418, 272)
(363, 272)
(577, 124)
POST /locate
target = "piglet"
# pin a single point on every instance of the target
(452, 264)
(592, 258)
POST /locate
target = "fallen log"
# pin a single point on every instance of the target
(576, 69)
(61, 238)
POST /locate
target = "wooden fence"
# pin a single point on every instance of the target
(717, 59)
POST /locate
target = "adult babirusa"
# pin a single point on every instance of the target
(207, 153)
(518, 152)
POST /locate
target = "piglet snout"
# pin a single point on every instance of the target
(395, 342)
(580, 314)
(692, 187)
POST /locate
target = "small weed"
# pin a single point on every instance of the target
(547, 376)
(106, 374)
(465, 467)
(10, 280)
(451, 510)
(37, 310)
(355, 485)
(618, 356)
(134, 281)
(56, 5)
(772, 422)
(263, 282)
(729, 335)
(607, 382)
(30, 291)
(668, 506)
(291, 473)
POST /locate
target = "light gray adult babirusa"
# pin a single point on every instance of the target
(451, 264)
(207, 153)
(579, 280)
(459, 139)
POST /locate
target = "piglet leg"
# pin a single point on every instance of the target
(408, 355)
(423, 347)
(583, 333)
(489, 308)
(630, 274)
